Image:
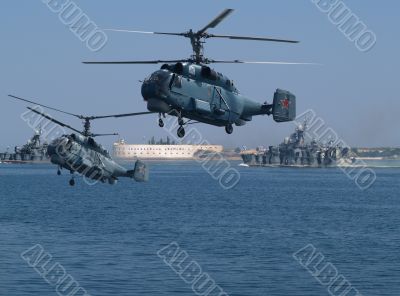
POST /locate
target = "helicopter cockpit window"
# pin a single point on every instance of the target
(159, 76)
(91, 142)
(103, 151)
(153, 77)
(192, 70)
(178, 81)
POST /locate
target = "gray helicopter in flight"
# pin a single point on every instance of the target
(189, 88)
(80, 153)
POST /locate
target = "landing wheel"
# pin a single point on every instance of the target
(160, 123)
(229, 129)
(58, 172)
(181, 132)
(72, 182)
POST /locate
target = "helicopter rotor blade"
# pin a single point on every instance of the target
(121, 115)
(137, 62)
(144, 32)
(251, 38)
(104, 135)
(216, 21)
(257, 62)
(54, 120)
(44, 106)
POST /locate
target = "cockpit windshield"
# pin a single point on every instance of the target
(159, 76)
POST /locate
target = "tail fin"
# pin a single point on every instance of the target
(140, 173)
(284, 106)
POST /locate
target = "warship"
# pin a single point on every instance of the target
(35, 150)
(295, 151)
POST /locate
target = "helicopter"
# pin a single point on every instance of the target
(190, 89)
(80, 153)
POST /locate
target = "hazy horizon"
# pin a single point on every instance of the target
(354, 92)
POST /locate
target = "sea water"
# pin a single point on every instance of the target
(108, 238)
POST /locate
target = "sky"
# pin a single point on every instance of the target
(355, 93)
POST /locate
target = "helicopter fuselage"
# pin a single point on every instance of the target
(199, 93)
(83, 155)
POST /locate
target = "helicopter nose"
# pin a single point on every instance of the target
(54, 156)
(150, 89)
(152, 94)
(156, 86)
(51, 150)
(56, 149)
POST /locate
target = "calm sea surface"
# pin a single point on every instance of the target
(107, 237)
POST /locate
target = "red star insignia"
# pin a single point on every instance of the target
(285, 103)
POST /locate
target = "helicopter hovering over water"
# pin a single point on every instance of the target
(80, 153)
(189, 88)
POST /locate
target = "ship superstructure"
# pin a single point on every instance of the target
(35, 150)
(296, 151)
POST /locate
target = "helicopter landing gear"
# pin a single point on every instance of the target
(72, 180)
(229, 129)
(181, 132)
(160, 121)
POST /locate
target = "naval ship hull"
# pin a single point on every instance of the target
(254, 160)
(23, 158)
